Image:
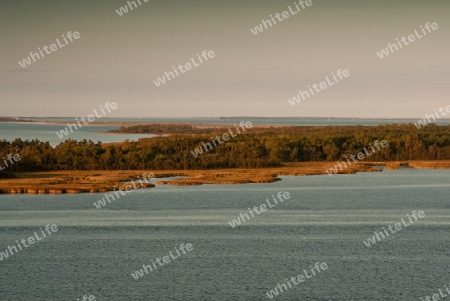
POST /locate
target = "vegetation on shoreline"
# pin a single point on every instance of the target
(71, 182)
(61, 182)
(161, 129)
(258, 147)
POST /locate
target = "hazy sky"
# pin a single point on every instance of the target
(118, 57)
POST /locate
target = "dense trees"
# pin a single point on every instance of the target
(160, 128)
(258, 147)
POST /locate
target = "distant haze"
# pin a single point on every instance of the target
(118, 57)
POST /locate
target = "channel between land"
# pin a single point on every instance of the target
(71, 182)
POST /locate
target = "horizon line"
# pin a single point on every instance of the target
(226, 117)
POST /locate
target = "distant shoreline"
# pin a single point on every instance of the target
(2, 118)
(219, 122)
(118, 124)
(65, 123)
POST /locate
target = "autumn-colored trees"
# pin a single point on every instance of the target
(258, 147)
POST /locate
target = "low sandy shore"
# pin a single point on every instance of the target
(61, 182)
(102, 181)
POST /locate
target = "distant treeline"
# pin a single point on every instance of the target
(161, 128)
(258, 147)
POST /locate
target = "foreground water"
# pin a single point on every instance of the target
(325, 220)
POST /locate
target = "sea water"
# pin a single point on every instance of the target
(326, 219)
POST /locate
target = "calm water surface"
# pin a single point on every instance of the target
(326, 220)
(47, 132)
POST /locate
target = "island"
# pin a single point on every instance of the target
(261, 154)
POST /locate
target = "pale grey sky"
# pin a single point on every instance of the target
(117, 58)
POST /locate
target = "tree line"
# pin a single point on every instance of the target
(258, 147)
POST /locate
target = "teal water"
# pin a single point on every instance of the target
(47, 132)
(325, 220)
